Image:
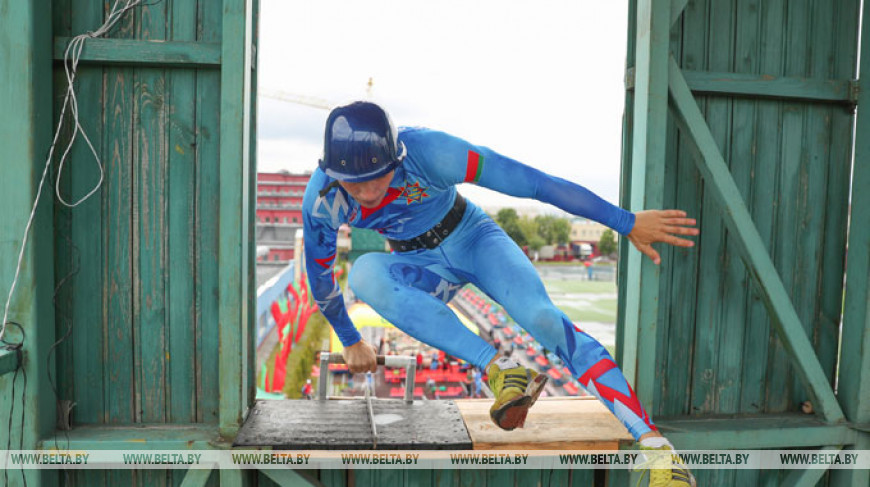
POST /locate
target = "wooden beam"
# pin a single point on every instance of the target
(25, 134)
(146, 437)
(647, 187)
(768, 86)
(774, 431)
(8, 361)
(741, 85)
(677, 7)
(808, 477)
(145, 52)
(738, 220)
(197, 477)
(290, 478)
(234, 236)
(853, 389)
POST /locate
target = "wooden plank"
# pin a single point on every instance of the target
(682, 300)
(554, 477)
(197, 477)
(208, 118)
(625, 188)
(290, 478)
(854, 375)
(233, 209)
(150, 192)
(648, 154)
(763, 203)
(85, 233)
(117, 237)
(737, 218)
(181, 194)
(581, 423)
(735, 278)
(812, 197)
(139, 437)
(500, 476)
(808, 477)
(839, 168)
(8, 361)
(441, 478)
(413, 478)
(677, 7)
(62, 370)
(711, 286)
(151, 52)
(764, 85)
(121, 391)
(770, 431)
(181, 197)
(782, 384)
(250, 392)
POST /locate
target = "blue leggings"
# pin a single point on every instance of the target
(411, 290)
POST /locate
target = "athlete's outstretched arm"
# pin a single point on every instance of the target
(453, 160)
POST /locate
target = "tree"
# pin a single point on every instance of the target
(553, 230)
(509, 221)
(607, 243)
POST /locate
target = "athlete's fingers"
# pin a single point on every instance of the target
(673, 213)
(681, 230)
(679, 242)
(650, 252)
(680, 221)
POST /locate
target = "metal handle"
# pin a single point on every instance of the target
(391, 361)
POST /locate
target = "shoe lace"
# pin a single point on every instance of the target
(658, 464)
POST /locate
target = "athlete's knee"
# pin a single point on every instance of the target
(547, 326)
(366, 277)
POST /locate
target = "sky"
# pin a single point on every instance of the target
(541, 82)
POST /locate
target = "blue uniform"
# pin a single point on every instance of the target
(411, 289)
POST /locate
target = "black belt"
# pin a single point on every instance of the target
(436, 234)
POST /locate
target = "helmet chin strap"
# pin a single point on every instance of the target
(328, 188)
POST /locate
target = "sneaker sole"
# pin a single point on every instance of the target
(513, 414)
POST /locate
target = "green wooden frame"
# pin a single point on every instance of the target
(26, 98)
(854, 375)
(142, 52)
(836, 426)
(765, 86)
(235, 201)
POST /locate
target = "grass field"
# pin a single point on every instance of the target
(579, 287)
(591, 301)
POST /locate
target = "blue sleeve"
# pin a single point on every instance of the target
(321, 217)
(451, 160)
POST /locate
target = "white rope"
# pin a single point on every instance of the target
(70, 64)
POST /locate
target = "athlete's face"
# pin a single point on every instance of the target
(369, 193)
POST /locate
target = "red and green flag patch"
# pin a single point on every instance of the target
(474, 168)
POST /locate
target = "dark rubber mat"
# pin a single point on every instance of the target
(345, 425)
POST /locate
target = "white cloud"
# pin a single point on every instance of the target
(541, 81)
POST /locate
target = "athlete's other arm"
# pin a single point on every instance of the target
(453, 161)
(320, 235)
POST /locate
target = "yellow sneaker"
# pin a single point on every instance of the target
(666, 469)
(516, 388)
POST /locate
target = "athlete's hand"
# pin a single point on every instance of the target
(653, 226)
(360, 357)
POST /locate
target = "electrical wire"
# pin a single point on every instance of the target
(17, 348)
(71, 57)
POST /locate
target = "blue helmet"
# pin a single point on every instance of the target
(360, 143)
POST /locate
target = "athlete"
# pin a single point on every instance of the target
(402, 183)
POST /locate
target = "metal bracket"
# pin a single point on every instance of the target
(629, 79)
(392, 361)
(854, 93)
